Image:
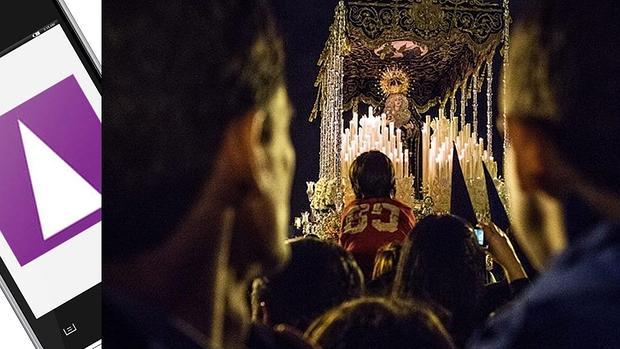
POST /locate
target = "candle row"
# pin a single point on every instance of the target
(439, 135)
(374, 133)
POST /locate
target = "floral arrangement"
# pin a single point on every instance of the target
(325, 225)
(303, 223)
(326, 204)
(323, 194)
(329, 225)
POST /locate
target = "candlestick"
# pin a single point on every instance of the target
(374, 133)
(439, 136)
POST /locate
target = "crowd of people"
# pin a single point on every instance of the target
(196, 204)
(389, 277)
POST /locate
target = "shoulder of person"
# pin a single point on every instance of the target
(348, 206)
(398, 203)
(560, 324)
(569, 306)
(357, 202)
(407, 210)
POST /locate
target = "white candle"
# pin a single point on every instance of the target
(406, 162)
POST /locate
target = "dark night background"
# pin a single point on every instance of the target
(305, 27)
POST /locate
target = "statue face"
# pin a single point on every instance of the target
(398, 104)
(397, 109)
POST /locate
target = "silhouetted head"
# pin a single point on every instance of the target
(198, 161)
(320, 275)
(442, 262)
(563, 116)
(194, 87)
(379, 323)
(372, 176)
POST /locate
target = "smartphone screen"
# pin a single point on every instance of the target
(50, 175)
(480, 236)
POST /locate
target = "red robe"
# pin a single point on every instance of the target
(369, 224)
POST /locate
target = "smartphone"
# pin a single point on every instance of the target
(50, 175)
(479, 232)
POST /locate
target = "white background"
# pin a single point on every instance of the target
(88, 15)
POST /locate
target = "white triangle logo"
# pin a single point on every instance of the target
(62, 196)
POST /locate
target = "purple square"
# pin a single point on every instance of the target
(64, 121)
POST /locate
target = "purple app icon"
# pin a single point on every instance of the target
(50, 170)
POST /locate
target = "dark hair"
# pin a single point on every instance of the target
(564, 60)
(441, 262)
(372, 175)
(386, 260)
(177, 75)
(379, 323)
(384, 270)
(319, 276)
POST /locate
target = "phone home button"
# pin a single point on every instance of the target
(69, 330)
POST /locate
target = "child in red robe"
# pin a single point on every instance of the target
(374, 219)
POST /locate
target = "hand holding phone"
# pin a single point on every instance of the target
(502, 251)
(479, 232)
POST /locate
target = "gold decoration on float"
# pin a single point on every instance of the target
(413, 57)
(395, 85)
(428, 17)
(394, 81)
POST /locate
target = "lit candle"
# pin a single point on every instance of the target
(406, 163)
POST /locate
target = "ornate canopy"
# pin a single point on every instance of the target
(406, 56)
(438, 43)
